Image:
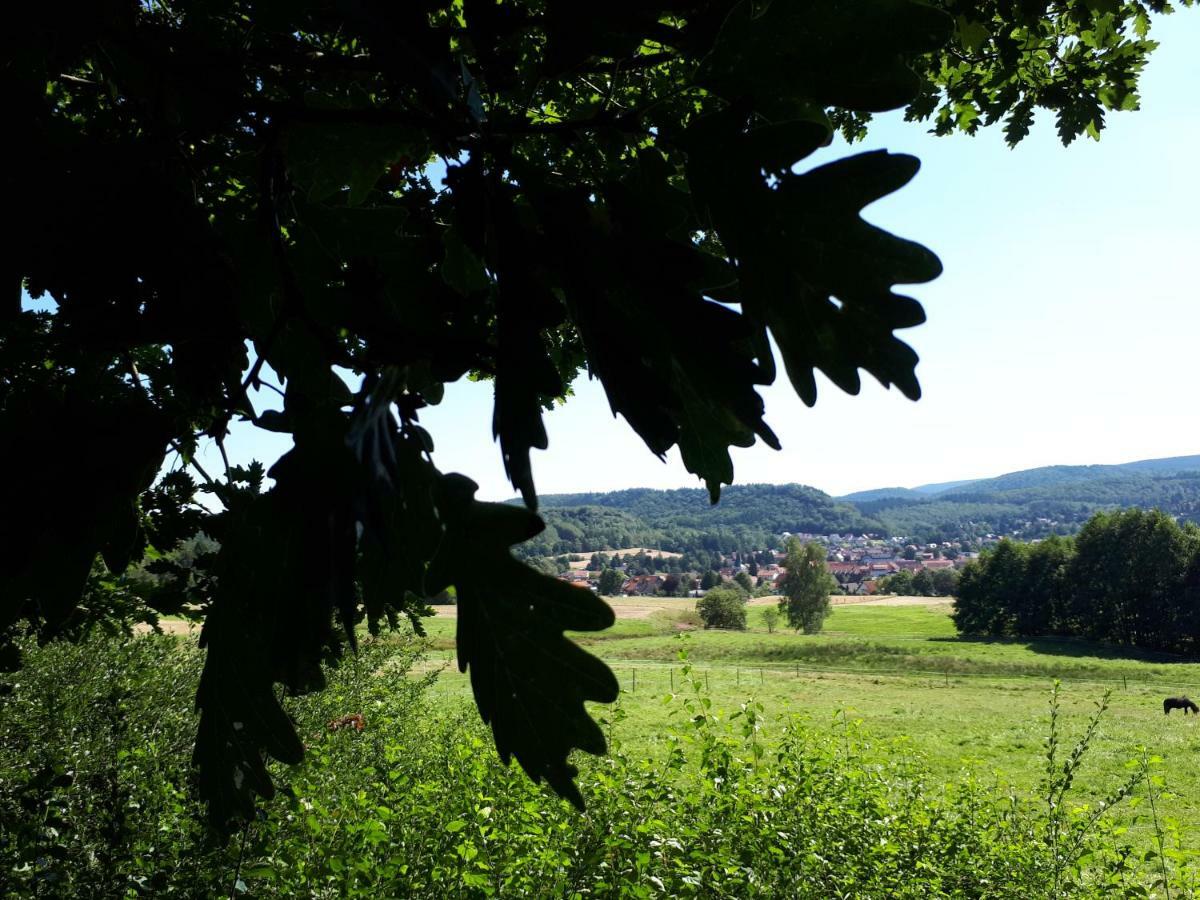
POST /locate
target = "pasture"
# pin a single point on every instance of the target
(959, 706)
(882, 758)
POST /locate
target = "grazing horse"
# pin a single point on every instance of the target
(1179, 703)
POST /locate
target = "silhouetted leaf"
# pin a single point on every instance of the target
(530, 682)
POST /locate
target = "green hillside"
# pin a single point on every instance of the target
(1034, 505)
(748, 516)
(1031, 503)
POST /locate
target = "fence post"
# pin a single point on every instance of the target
(635, 681)
(1124, 684)
(672, 681)
(706, 679)
(761, 678)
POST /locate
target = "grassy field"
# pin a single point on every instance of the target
(974, 705)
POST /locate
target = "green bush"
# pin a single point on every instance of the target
(95, 800)
(94, 779)
(723, 607)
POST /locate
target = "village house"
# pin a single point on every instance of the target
(642, 585)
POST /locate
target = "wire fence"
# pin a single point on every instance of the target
(643, 675)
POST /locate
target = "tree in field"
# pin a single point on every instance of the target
(806, 587)
(1039, 604)
(743, 581)
(312, 217)
(945, 582)
(990, 589)
(723, 607)
(900, 583)
(922, 583)
(610, 582)
(771, 616)
(1128, 578)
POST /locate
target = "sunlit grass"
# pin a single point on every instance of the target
(960, 704)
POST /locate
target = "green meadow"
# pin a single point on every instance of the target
(961, 707)
(883, 758)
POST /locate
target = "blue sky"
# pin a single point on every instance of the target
(1063, 329)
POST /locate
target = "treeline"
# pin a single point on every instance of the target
(1130, 578)
(922, 583)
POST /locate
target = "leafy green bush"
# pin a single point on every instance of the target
(94, 792)
(723, 607)
(95, 800)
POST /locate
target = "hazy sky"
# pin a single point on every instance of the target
(1062, 331)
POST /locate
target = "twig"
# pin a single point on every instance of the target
(237, 869)
(224, 456)
(1158, 836)
(172, 443)
(190, 460)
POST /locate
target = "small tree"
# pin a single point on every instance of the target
(945, 582)
(900, 583)
(922, 583)
(806, 587)
(610, 582)
(723, 607)
(771, 616)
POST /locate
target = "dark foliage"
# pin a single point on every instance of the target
(215, 196)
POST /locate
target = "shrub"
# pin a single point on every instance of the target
(94, 779)
(417, 804)
(723, 607)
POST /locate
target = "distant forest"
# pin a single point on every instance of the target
(1030, 504)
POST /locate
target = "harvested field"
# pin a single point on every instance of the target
(644, 607)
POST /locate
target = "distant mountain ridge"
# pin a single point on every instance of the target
(1039, 477)
(1035, 502)
(1027, 503)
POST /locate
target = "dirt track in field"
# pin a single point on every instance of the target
(644, 607)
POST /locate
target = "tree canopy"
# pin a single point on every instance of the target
(215, 195)
(806, 587)
(1128, 578)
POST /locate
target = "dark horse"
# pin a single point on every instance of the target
(1179, 703)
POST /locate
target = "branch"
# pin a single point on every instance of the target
(191, 461)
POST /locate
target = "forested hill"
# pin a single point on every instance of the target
(748, 517)
(1042, 477)
(1038, 501)
(1030, 503)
